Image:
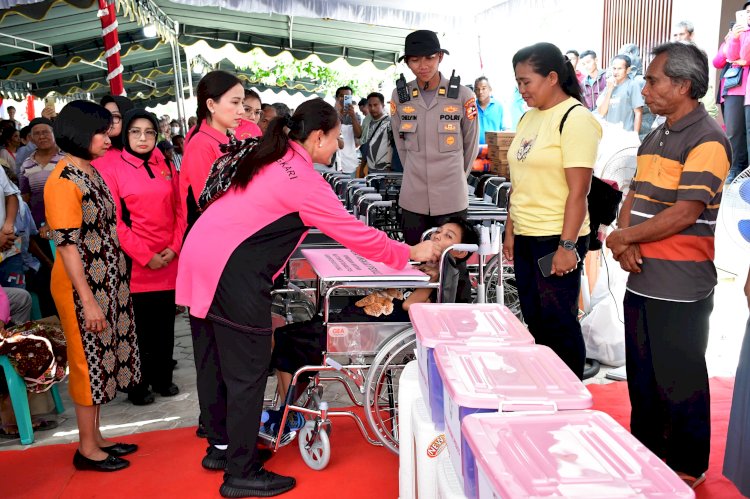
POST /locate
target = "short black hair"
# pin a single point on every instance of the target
(281, 109)
(363, 101)
(624, 58)
(7, 134)
(587, 53)
(77, 124)
(375, 94)
(265, 106)
(341, 89)
(25, 131)
(572, 51)
(469, 234)
(251, 93)
(11, 107)
(481, 78)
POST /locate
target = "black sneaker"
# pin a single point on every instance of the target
(215, 459)
(263, 484)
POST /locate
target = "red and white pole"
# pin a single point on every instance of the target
(108, 18)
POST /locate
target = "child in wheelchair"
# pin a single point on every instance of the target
(303, 343)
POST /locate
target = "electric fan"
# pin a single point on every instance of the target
(735, 207)
(621, 168)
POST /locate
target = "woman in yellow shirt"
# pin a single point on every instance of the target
(550, 170)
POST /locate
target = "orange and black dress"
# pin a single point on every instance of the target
(80, 211)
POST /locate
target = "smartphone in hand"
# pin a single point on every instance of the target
(545, 263)
(741, 17)
(347, 101)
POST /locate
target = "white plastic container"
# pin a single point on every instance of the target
(408, 393)
(575, 454)
(449, 487)
(429, 447)
(463, 324)
(494, 378)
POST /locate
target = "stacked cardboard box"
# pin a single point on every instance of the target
(497, 151)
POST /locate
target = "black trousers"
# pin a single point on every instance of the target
(154, 326)
(414, 224)
(232, 369)
(665, 350)
(550, 304)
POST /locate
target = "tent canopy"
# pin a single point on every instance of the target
(56, 45)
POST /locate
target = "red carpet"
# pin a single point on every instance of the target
(168, 464)
(613, 399)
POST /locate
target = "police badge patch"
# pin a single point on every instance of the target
(470, 108)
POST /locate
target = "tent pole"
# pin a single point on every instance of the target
(178, 83)
(189, 76)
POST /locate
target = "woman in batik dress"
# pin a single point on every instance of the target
(90, 282)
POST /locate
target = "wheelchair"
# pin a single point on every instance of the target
(366, 358)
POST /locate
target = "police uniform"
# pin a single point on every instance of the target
(437, 144)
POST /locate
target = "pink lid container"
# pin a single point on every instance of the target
(463, 322)
(575, 454)
(519, 377)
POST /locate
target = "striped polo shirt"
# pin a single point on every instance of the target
(688, 161)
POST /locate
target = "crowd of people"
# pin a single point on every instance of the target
(118, 192)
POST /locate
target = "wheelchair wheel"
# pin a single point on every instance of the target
(314, 449)
(381, 386)
(510, 291)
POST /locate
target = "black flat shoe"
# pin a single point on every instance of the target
(112, 463)
(120, 449)
(169, 391)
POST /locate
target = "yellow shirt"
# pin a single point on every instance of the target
(538, 157)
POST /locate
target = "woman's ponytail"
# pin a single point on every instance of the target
(311, 115)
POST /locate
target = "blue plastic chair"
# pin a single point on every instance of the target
(19, 398)
(20, 401)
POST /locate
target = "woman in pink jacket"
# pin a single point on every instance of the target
(150, 226)
(737, 99)
(220, 109)
(230, 259)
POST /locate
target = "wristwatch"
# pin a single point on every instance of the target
(568, 244)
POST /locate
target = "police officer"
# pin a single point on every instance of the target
(434, 122)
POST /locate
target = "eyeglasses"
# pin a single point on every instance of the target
(137, 133)
(116, 118)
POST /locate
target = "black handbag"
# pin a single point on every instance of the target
(732, 77)
(224, 169)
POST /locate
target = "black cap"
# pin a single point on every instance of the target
(39, 121)
(421, 42)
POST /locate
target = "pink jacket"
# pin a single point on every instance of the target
(279, 190)
(738, 48)
(201, 151)
(247, 129)
(156, 218)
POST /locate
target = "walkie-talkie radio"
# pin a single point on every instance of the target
(453, 85)
(402, 90)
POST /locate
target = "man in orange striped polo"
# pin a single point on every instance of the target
(666, 243)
